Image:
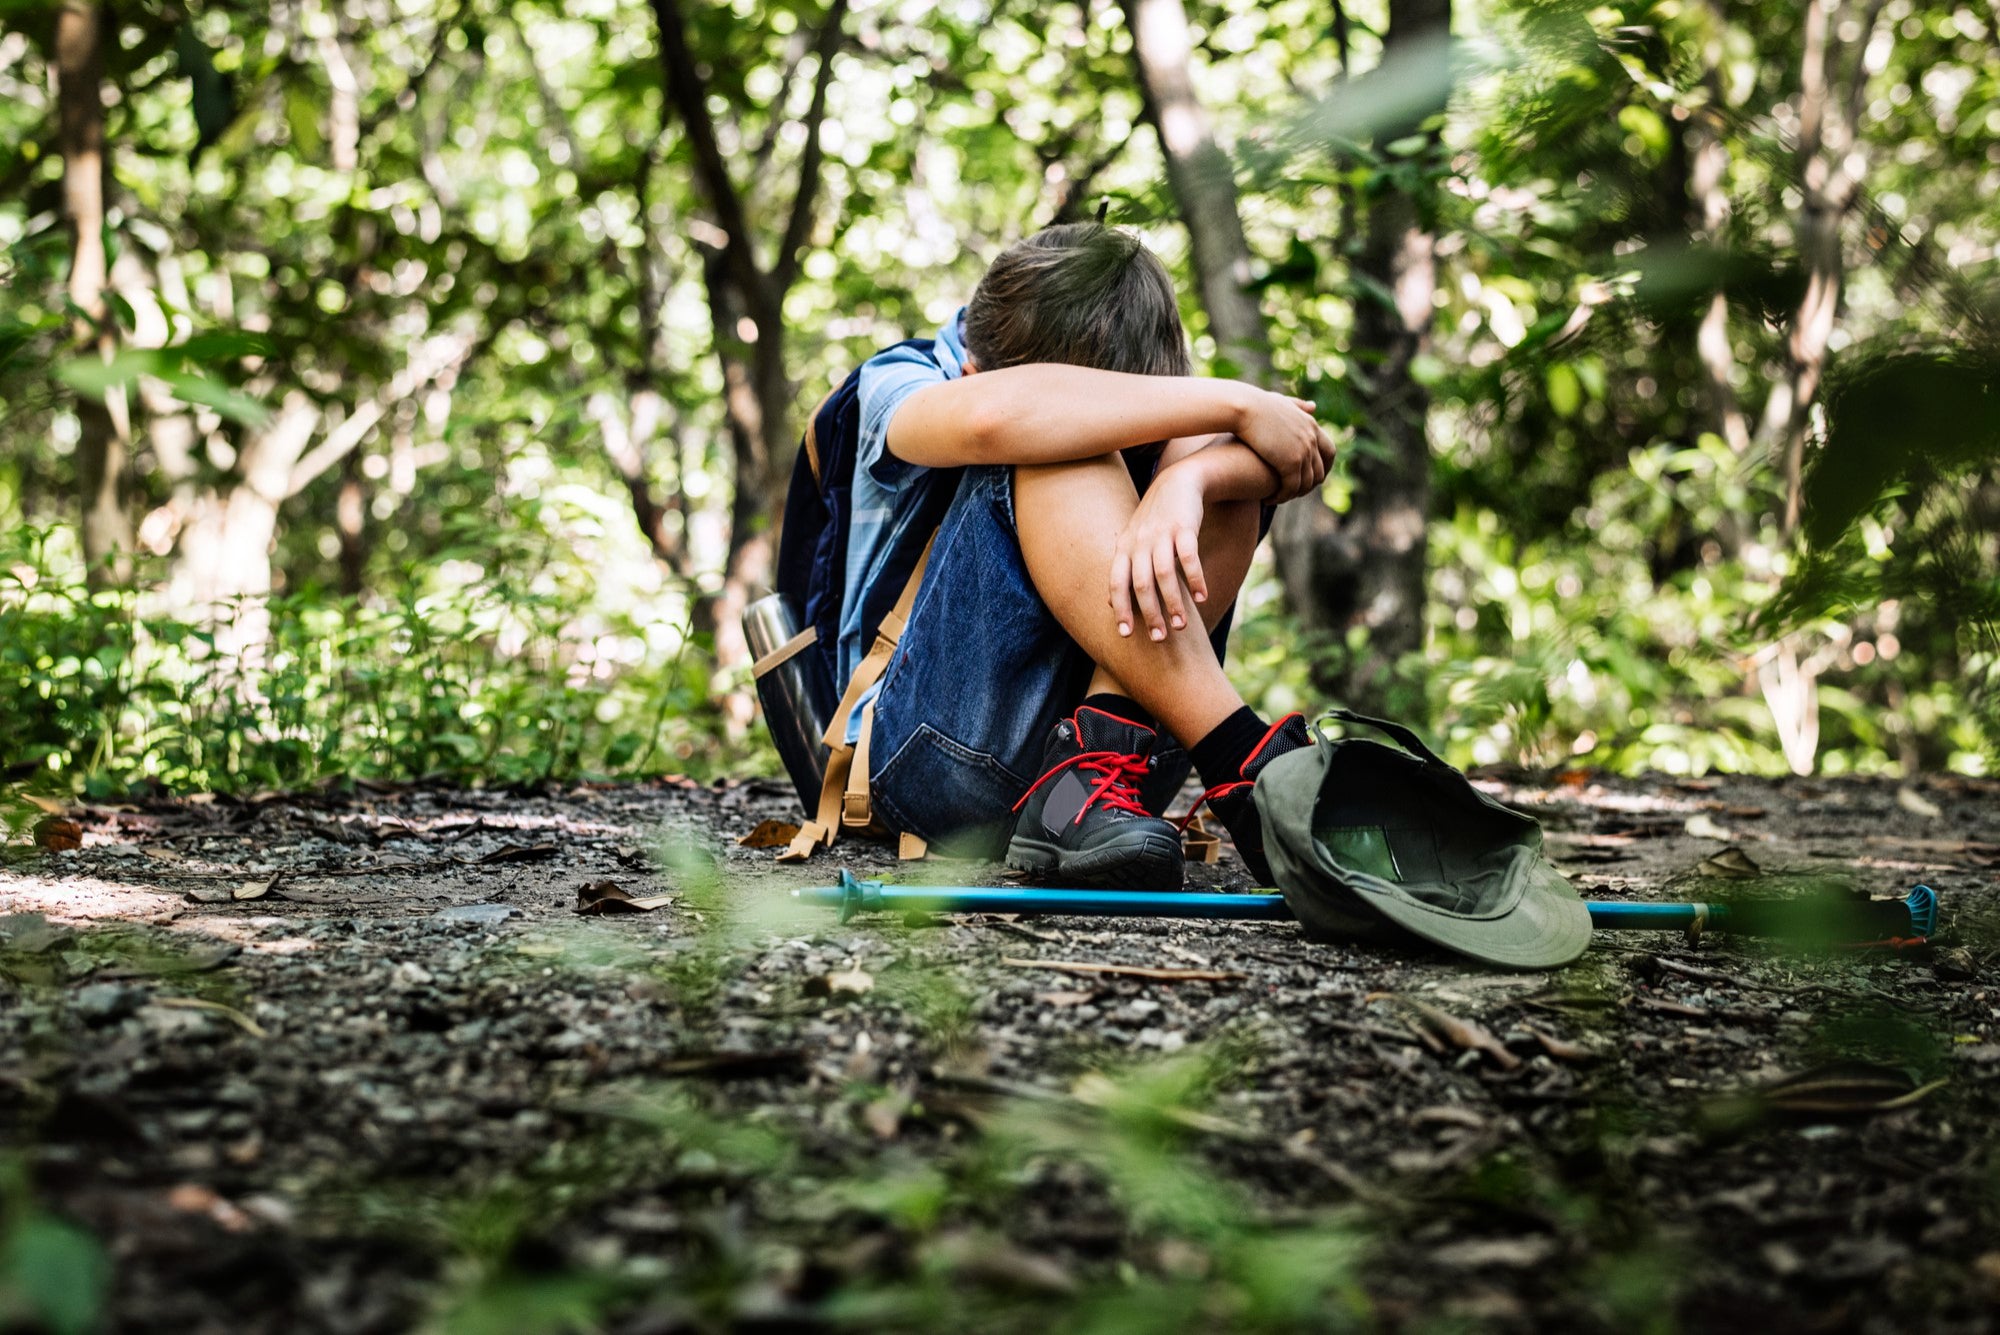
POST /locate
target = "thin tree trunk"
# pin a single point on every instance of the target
(1204, 185)
(746, 310)
(1708, 161)
(101, 443)
(1367, 568)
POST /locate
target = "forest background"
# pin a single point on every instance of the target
(407, 387)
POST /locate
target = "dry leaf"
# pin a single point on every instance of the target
(1126, 970)
(211, 894)
(1731, 863)
(770, 834)
(57, 834)
(1839, 1089)
(161, 854)
(1702, 826)
(602, 898)
(1467, 1034)
(884, 1116)
(1560, 1048)
(850, 982)
(229, 1013)
(518, 853)
(1914, 802)
(257, 889)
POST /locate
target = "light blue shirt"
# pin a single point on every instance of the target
(881, 520)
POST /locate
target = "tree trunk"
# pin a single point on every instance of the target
(1204, 185)
(1367, 568)
(101, 442)
(1708, 160)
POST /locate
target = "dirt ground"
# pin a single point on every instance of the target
(352, 1061)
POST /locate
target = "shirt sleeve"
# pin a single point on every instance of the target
(887, 380)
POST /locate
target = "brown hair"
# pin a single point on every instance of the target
(1080, 293)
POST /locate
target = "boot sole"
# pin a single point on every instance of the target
(1150, 861)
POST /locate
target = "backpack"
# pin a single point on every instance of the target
(812, 578)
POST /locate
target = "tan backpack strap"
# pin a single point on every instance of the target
(910, 848)
(844, 797)
(808, 636)
(857, 809)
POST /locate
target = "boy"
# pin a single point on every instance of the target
(1078, 593)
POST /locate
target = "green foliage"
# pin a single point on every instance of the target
(53, 1275)
(469, 677)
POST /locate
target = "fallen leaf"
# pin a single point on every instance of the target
(1731, 864)
(1448, 1114)
(229, 1013)
(884, 1116)
(211, 894)
(1126, 970)
(602, 898)
(1506, 1253)
(57, 834)
(1466, 1034)
(517, 853)
(1914, 802)
(257, 889)
(1838, 1089)
(850, 982)
(162, 854)
(770, 834)
(193, 1198)
(1561, 1048)
(1702, 826)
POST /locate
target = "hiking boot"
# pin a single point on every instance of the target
(1231, 801)
(1082, 824)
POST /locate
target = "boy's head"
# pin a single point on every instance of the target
(1080, 293)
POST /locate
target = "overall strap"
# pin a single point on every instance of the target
(844, 797)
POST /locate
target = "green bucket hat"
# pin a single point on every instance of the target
(1371, 843)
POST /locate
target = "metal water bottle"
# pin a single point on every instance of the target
(797, 693)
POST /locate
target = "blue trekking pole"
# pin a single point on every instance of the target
(1913, 917)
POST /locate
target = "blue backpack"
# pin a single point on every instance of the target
(812, 577)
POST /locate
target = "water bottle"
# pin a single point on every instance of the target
(797, 694)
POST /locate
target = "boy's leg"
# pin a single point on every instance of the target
(1229, 536)
(1068, 517)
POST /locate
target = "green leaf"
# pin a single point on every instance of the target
(208, 88)
(191, 388)
(1565, 390)
(224, 345)
(96, 377)
(57, 1271)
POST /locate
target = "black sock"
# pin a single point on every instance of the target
(1219, 756)
(1122, 706)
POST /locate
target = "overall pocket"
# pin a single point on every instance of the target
(958, 800)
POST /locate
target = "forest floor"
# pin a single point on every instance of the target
(352, 1061)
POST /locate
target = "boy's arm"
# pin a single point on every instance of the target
(1160, 545)
(1053, 413)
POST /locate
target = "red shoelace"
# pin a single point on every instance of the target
(1117, 786)
(1220, 790)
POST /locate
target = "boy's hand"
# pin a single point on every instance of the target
(1282, 432)
(1160, 544)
